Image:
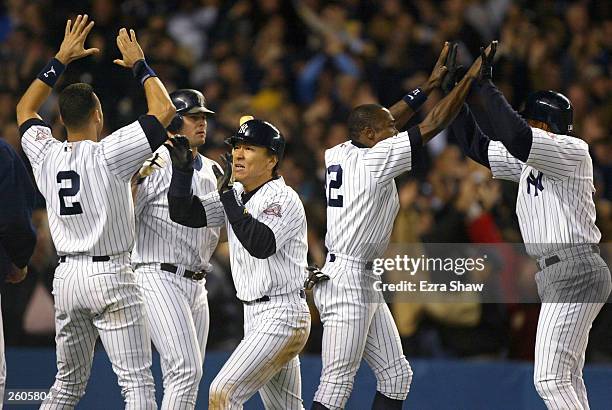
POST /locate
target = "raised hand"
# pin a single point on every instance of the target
(129, 48)
(452, 75)
(439, 70)
(73, 45)
(486, 70)
(224, 179)
(180, 153)
(474, 71)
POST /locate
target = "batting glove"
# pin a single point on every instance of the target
(224, 179)
(314, 276)
(180, 153)
(486, 69)
(453, 72)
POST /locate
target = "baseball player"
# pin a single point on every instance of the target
(171, 260)
(266, 228)
(556, 215)
(85, 182)
(362, 203)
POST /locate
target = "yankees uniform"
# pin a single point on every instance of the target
(556, 215)
(171, 261)
(362, 203)
(276, 316)
(269, 281)
(91, 219)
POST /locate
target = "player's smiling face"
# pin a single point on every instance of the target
(252, 165)
(194, 128)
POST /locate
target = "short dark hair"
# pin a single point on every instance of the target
(76, 103)
(362, 116)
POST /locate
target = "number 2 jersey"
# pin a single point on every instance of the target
(86, 184)
(362, 199)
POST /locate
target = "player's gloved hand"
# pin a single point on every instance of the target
(314, 276)
(180, 153)
(486, 69)
(225, 181)
(454, 71)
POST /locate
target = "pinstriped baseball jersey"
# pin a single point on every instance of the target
(362, 203)
(555, 200)
(279, 207)
(362, 199)
(158, 239)
(86, 187)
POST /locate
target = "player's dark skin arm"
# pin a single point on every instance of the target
(72, 48)
(401, 111)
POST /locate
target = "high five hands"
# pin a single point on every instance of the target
(73, 45)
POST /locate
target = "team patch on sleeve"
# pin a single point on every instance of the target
(41, 135)
(273, 209)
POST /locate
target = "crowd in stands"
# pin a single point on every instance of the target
(302, 65)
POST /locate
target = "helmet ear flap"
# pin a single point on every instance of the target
(176, 124)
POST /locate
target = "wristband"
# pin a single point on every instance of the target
(52, 71)
(142, 71)
(415, 99)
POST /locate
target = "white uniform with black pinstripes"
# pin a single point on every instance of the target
(362, 203)
(266, 360)
(177, 307)
(556, 214)
(86, 187)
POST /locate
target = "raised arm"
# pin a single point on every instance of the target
(473, 142)
(72, 48)
(447, 109)
(158, 101)
(405, 108)
(185, 208)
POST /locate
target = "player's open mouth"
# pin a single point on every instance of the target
(239, 166)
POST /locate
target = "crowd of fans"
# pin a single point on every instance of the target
(303, 65)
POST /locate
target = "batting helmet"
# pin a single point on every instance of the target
(551, 108)
(186, 101)
(262, 133)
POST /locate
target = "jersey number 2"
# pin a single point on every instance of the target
(338, 201)
(75, 186)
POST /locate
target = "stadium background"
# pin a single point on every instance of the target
(302, 65)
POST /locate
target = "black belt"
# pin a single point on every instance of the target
(104, 258)
(368, 265)
(551, 260)
(267, 299)
(189, 274)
